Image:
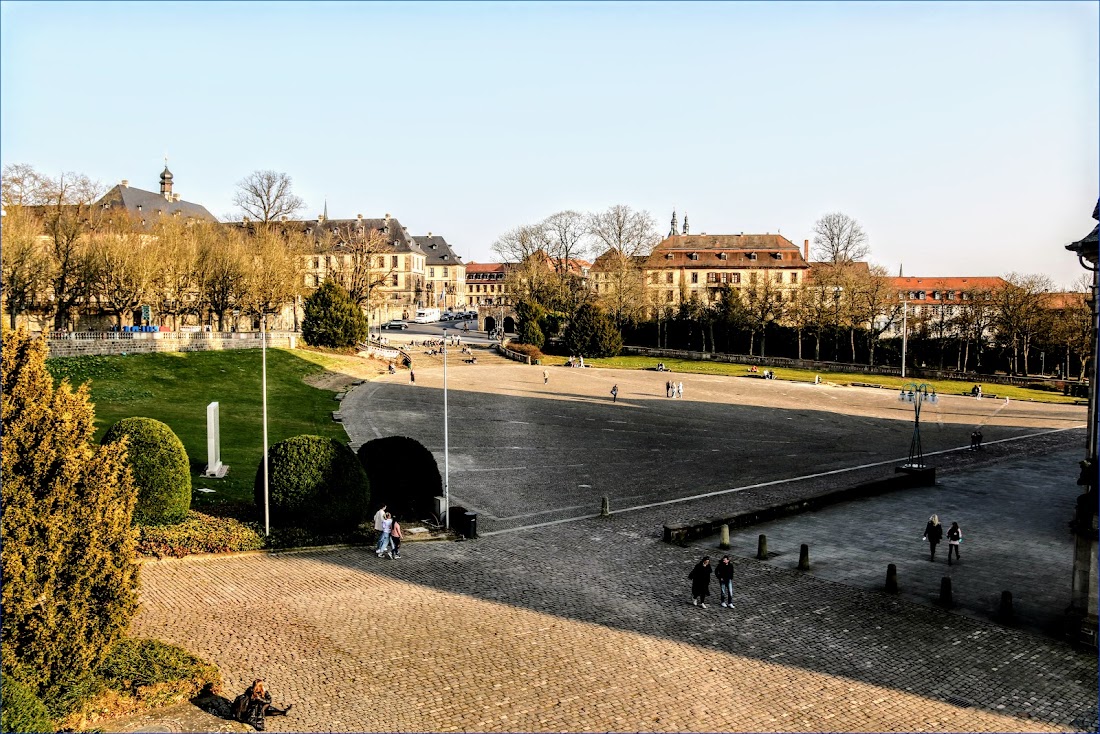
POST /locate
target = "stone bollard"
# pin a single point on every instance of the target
(804, 558)
(946, 599)
(605, 507)
(1006, 613)
(724, 544)
(891, 579)
(762, 548)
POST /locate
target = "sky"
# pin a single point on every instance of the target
(964, 137)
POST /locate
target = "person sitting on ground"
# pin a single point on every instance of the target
(252, 706)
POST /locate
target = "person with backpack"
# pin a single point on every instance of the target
(954, 537)
(254, 705)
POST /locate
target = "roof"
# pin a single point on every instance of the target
(1063, 300)
(339, 229)
(946, 283)
(437, 249)
(474, 267)
(146, 205)
(727, 251)
(612, 256)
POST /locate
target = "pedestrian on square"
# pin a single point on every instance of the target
(412, 376)
(668, 388)
(954, 537)
(977, 438)
(614, 393)
(680, 390)
(724, 574)
(379, 517)
(395, 537)
(545, 377)
(385, 543)
(933, 533)
(700, 582)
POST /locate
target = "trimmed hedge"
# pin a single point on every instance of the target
(162, 473)
(199, 533)
(315, 483)
(21, 710)
(403, 476)
(134, 664)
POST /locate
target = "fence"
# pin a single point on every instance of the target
(86, 343)
(816, 366)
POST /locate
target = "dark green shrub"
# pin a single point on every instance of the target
(21, 710)
(315, 482)
(69, 581)
(332, 318)
(530, 333)
(591, 333)
(529, 349)
(162, 473)
(199, 533)
(133, 664)
(403, 476)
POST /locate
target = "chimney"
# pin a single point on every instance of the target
(125, 183)
(429, 234)
(320, 218)
(806, 249)
(246, 220)
(359, 217)
(175, 197)
(387, 216)
(283, 218)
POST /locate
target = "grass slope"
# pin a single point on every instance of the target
(947, 387)
(176, 388)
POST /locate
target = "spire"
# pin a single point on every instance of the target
(166, 181)
(901, 271)
(326, 209)
(672, 232)
(685, 222)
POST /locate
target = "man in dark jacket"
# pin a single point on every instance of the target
(724, 573)
(700, 582)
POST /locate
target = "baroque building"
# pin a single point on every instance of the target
(445, 277)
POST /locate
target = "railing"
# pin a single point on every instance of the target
(181, 335)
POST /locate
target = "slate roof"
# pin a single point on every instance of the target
(339, 229)
(147, 205)
(771, 251)
(438, 251)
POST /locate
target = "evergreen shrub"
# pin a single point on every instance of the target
(332, 318)
(160, 467)
(403, 476)
(21, 710)
(315, 483)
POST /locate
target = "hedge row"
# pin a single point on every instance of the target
(199, 533)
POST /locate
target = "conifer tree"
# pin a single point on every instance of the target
(332, 318)
(69, 581)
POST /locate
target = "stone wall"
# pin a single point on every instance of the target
(79, 344)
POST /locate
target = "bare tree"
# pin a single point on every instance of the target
(25, 261)
(1073, 325)
(22, 186)
(763, 306)
(975, 317)
(568, 238)
(174, 288)
(220, 270)
(624, 230)
(839, 240)
(272, 268)
(874, 304)
(1020, 314)
(125, 263)
(266, 196)
(67, 218)
(526, 247)
(361, 268)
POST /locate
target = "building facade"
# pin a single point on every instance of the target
(445, 276)
(485, 284)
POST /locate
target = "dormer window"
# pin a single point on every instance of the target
(694, 256)
(752, 256)
(668, 256)
(777, 255)
(722, 256)
(935, 295)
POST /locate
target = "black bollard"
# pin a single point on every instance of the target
(946, 599)
(804, 558)
(891, 579)
(762, 548)
(1006, 613)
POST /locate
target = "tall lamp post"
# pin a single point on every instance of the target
(1083, 600)
(917, 394)
(263, 357)
(446, 445)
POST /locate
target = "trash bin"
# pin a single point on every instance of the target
(471, 525)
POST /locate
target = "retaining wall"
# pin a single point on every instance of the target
(80, 344)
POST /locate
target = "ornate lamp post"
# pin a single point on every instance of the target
(917, 394)
(1082, 610)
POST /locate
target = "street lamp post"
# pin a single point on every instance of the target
(904, 333)
(263, 353)
(917, 394)
(446, 444)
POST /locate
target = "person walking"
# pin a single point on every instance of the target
(412, 375)
(614, 393)
(385, 543)
(933, 533)
(954, 537)
(724, 573)
(545, 377)
(395, 537)
(680, 390)
(379, 518)
(700, 582)
(668, 388)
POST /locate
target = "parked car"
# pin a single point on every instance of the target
(395, 324)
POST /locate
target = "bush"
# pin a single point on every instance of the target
(69, 581)
(315, 483)
(332, 319)
(591, 333)
(199, 533)
(21, 710)
(529, 349)
(161, 470)
(531, 334)
(134, 664)
(403, 476)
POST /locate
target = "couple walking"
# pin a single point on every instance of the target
(700, 581)
(674, 389)
(933, 533)
(389, 540)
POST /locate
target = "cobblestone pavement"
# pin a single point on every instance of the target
(589, 628)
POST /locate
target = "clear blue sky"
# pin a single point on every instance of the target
(963, 136)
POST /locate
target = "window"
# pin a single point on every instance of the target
(396, 262)
(444, 272)
(735, 277)
(316, 263)
(694, 256)
(722, 256)
(777, 255)
(779, 277)
(794, 277)
(695, 277)
(779, 297)
(668, 277)
(396, 280)
(752, 255)
(712, 277)
(328, 261)
(668, 297)
(431, 272)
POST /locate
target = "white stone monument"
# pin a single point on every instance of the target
(214, 466)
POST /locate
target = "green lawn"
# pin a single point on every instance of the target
(947, 387)
(176, 388)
